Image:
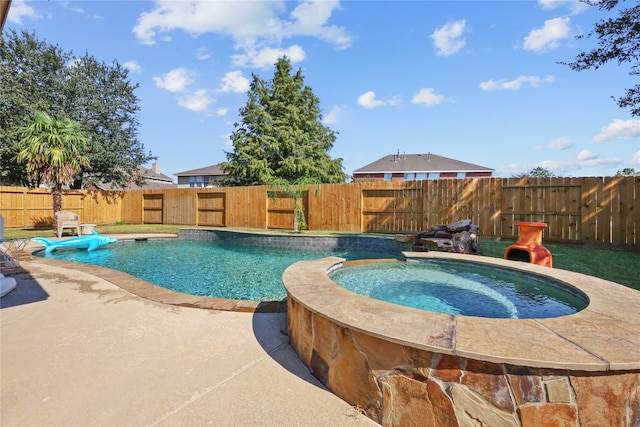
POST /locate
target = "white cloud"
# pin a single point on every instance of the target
(368, 100)
(236, 19)
(584, 160)
(561, 143)
(511, 169)
(575, 6)
(132, 66)
(448, 39)
(19, 10)
(247, 22)
(333, 116)
(550, 4)
(598, 162)
(197, 101)
(547, 37)
(635, 160)
(175, 80)
(265, 57)
(222, 111)
(74, 8)
(587, 155)
(395, 101)
(427, 97)
(618, 129)
(515, 84)
(202, 53)
(310, 18)
(228, 143)
(558, 167)
(234, 82)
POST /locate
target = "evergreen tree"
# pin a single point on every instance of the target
(281, 135)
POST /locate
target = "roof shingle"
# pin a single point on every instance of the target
(419, 163)
(205, 171)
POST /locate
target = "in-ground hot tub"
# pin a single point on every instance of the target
(461, 288)
(404, 366)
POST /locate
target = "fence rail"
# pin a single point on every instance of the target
(604, 211)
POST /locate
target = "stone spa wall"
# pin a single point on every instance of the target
(346, 242)
(362, 355)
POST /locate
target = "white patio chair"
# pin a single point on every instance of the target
(66, 219)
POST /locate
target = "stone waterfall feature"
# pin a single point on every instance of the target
(460, 237)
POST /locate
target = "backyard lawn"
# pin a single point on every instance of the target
(610, 264)
(616, 265)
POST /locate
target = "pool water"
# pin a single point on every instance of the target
(462, 289)
(219, 269)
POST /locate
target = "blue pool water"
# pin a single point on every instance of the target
(462, 289)
(219, 269)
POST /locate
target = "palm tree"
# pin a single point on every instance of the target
(52, 151)
(295, 190)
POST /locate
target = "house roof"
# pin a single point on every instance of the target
(154, 175)
(151, 185)
(153, 180)
(205, 171)
(419, 163)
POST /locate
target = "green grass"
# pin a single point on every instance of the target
(618, 266)
(19, 233)
(615, 265)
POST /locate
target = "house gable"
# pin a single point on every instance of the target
(208, 176)
(410, 167)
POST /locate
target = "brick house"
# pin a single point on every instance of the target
(208, 176)
(416, 167)
(152, 179)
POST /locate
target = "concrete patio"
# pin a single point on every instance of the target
(76, 350)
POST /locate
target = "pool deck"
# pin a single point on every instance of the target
(78, 348)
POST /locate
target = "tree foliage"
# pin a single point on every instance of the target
(626, 172)
(537, 172)
(281, 135)
(296, 191)
(36, 76)
(618, 40)
(52, 151)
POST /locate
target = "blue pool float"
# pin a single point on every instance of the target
(92, 242)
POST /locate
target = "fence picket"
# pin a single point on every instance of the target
(604, 211)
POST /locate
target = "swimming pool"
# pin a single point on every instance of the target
(457, 288)
(219, 268)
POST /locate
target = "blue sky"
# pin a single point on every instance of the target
(477, 81)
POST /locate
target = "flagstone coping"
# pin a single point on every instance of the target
(605, 336)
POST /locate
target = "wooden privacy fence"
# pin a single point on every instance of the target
(602, 211)
(29, 208)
